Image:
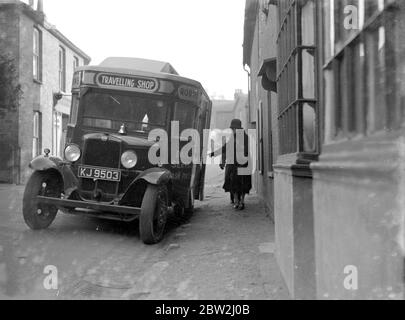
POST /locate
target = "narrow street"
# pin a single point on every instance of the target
(219, 254)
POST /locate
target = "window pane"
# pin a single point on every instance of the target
(36, 134)
(62, 69)
(308, 74)
(36, 42)
(75, 62)
(309, 127)
(36, 55)
(401, 57)
(338, 19)
(308, 23)
(359, 112)
(375, 51)
(35, 68)
(126, 108)
(328, 37)
(371, 7)
(36, 125)
(338, 81)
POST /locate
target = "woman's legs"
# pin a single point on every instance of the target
(237, 200)
(242, 202)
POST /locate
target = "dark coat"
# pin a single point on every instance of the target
(238, 178)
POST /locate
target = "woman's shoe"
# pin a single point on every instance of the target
(242, 206)
(236, 206)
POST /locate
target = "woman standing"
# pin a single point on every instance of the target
(237, 180)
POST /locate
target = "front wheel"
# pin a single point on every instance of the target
(36, 215)
(154, 212)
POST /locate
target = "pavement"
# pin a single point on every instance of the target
(219, 254)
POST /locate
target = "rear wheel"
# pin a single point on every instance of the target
(154, 212)
(47, 184)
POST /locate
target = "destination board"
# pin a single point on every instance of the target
(189, 93)
(127, 82)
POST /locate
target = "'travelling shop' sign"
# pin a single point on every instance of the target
(127, 82)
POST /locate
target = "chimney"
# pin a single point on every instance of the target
(40, 6)
(31, 3)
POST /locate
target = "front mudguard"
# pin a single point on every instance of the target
(43, 164)
(154, 176)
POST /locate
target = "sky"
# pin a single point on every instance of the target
(202, 39)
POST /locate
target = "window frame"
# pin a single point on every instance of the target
(62, 69)
(76, 63)
(290, 79)
(36, 134)
(37, 55)
(341, 56)
(271, 98)
(260, 138)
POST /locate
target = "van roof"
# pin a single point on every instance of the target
(139, 64)
(141, 67)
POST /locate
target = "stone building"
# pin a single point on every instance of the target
(327, 97)
(223, 111)
(45, 60)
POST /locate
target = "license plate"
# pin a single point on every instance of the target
(100, 174)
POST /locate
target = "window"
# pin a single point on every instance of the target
(260, 140)
(76, 63)
(110, 110)
(62, 69)
(37, 55)
(36, 134)
(297, 107)
(57, 134)
(272, 99)
(364, 86)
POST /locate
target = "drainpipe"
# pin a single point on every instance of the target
(249, 94)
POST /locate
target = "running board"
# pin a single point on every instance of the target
(95, 206)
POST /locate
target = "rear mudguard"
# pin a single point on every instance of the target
(154, 176)
(44, 164)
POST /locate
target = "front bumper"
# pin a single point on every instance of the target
(94, 209)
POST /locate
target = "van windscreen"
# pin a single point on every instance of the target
(109, 110)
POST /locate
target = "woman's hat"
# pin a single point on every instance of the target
(236, 124)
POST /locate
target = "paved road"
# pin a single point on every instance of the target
(219, 254)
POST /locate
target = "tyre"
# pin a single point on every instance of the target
(153, 218)
(48, 184)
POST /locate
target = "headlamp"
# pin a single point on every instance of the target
(129, 159)
(72, 153)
